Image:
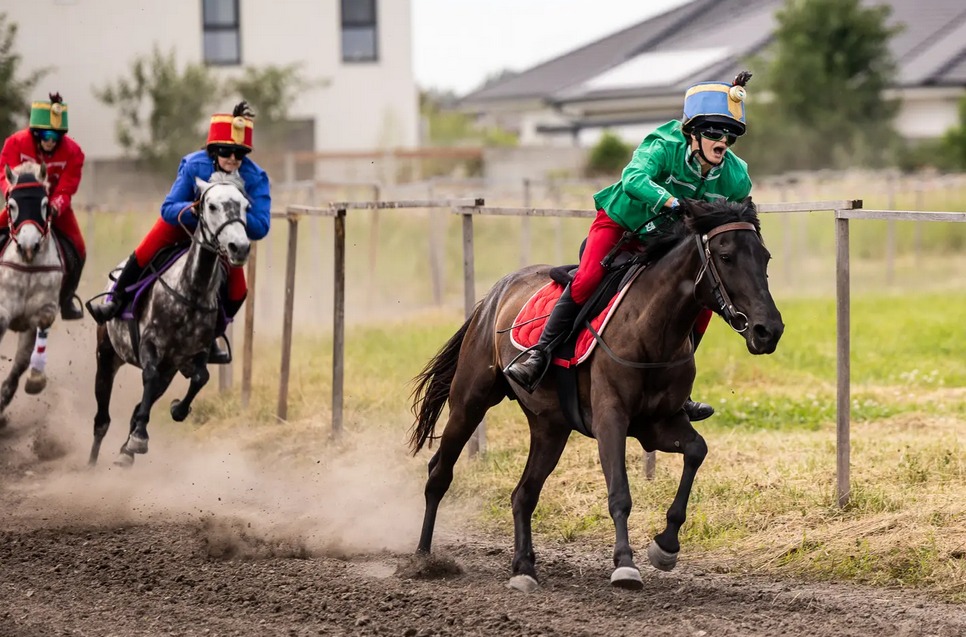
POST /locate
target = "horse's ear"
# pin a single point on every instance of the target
(11, 178)
(202, 186)
(748, 203)
(690, 206)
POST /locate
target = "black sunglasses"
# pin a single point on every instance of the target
(228, 151)
(717, 134)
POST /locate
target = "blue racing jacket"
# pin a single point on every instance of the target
(199, 164)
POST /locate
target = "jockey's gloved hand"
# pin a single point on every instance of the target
(60, 202)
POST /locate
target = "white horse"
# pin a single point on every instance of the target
(178, 317)
(31, 272)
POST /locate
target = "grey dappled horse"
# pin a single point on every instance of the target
(31, 272)
(177, 319)
(715, 258)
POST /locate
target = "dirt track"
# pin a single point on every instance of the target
(202, 542)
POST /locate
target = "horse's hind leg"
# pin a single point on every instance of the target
(676, 435)
(199, 378)
(108, 362)
(21, 359)
(546, 445)
(471, 394)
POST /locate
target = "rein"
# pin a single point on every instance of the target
(717, 289)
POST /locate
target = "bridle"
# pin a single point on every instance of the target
(207, 239)
(43, 227)
(718, 291)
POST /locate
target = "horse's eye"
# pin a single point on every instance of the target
(725, 257)
(212, 207)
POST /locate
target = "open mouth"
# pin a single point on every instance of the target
(718, 151)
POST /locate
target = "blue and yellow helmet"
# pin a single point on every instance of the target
(716, 103)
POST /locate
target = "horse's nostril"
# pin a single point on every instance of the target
(233, 248)
(761, 331)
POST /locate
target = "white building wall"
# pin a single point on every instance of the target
(929, 117)
(90, 43)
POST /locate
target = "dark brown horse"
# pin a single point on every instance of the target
(713, 257)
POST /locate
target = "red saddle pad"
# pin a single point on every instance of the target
(529, 323)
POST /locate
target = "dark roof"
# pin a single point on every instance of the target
(930, 50)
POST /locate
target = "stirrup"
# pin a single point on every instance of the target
(73, 309)
(218, 356)
(100, 312)
(531, 386)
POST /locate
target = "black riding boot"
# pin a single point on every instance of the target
(118, 298)
(218, 355)
(70, 306)
(697, 411)
(528, 373)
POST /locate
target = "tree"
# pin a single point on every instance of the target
(14, 89)
(953, 144)
(271, 90)
(162, 111)
(825, 74)
(609, 156)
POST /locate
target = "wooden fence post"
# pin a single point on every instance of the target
(526, 230)
(477, 442)
(843, 406)
(248, 351)
(338, 323)
(293, 236)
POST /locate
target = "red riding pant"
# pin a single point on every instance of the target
(603, 235)
(164, 234)
(65, 223)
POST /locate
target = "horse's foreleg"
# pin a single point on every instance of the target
(199, 378)
(154, 384)
(677, 436)
(21, 359)
(546, 445)
(610, 428)
(108, 362)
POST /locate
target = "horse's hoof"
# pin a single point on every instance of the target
(124, 460)
(627, 577)
(36, 381)
(136, 444)
(177, 412)
(661, 559)
(523, 583)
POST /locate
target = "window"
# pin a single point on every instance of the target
(360, 41)
(222, 44)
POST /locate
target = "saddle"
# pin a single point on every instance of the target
(159, 264)
(588, 326)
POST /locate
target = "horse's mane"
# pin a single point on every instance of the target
(701, 219)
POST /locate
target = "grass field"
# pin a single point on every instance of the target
(764, 499)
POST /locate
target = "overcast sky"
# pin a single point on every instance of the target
(458, 43)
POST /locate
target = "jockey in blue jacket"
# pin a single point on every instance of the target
(229, 142)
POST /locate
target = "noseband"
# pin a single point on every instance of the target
(727, 308)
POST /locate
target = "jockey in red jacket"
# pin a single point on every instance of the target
(227, 148)
(45, 141)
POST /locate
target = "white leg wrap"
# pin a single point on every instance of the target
(38, 360)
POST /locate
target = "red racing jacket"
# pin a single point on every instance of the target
(64, 165)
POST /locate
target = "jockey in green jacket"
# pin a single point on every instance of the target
(691, 159)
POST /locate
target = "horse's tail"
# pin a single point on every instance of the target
(432, 388)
